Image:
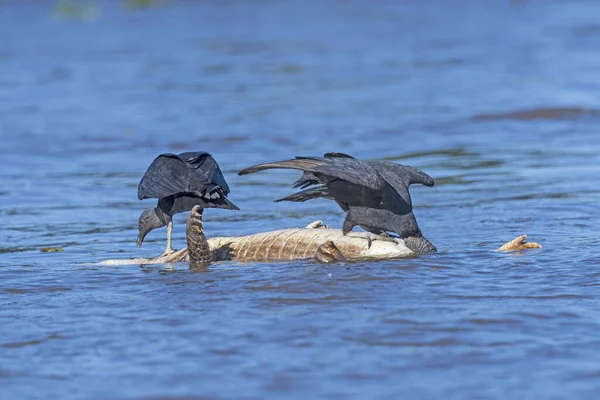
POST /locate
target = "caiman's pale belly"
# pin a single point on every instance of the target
(284, 244)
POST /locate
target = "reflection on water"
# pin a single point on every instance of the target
(498, 103)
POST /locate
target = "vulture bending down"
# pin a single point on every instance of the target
(180, 182)
(374, 194)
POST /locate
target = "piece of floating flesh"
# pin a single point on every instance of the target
(520, 244)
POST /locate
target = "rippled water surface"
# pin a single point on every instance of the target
(497, 100)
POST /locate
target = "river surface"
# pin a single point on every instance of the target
(497, 100)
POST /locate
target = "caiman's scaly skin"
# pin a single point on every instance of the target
(324, 245)
(198, 248)
(301, 243)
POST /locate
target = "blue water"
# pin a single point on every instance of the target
(497, 100)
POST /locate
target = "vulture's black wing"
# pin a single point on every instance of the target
(352, 182)
(170, 174)
(308, 178)
(207, 170)
(348, 181)
(325, 169)
(400, 177)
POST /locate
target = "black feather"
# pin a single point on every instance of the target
(308, 194)
(181, 181)
(373, 193)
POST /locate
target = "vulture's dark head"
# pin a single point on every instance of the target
(149, 220)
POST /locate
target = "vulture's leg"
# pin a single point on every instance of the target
(169, 249)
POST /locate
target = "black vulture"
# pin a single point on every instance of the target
(180, 182)
(374, 194)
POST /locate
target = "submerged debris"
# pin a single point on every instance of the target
(52, 249)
